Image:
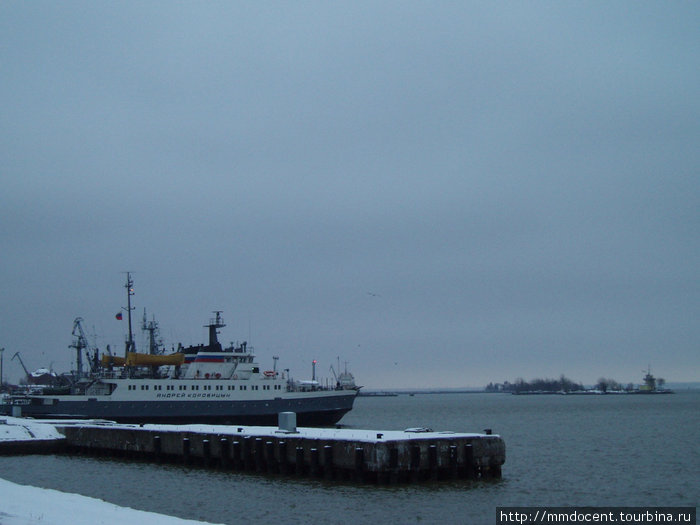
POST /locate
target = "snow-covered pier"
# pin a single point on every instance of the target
(365, 456)
(26, 436)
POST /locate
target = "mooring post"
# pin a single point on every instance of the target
(237, 455)
(283, 461)
(393, 465)
(270, 456)
(259, 458)
(359, 464)
(224, 447)
(185, 450)
(453, 461)
(157, 448)
(415, 462)
(299, 461)
(495, 469)
(470, 471)
(248, 453)
(433, 462)
(206, 452)
(328, 462)
(314, 461)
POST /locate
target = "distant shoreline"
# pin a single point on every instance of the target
(675, 387)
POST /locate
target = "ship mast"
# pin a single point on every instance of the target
(152, 329)
(214, 324)
(130, 346)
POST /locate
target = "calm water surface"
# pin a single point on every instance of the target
(561, 450)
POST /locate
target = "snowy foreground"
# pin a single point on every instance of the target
(25, 505)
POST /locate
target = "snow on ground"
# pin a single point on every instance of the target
(340, 434)
(18, 429)
(25, 505)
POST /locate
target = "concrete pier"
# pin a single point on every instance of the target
(363, 456)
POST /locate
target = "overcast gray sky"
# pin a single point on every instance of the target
(439, 193)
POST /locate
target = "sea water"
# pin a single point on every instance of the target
(612, 450)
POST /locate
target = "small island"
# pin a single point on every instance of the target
(564, 385)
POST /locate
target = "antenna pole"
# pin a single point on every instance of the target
(130, 347)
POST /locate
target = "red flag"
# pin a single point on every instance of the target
(119, 316)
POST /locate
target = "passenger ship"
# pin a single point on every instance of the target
(198, 384)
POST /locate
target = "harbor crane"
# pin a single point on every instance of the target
(28, 375)
(81, 343)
